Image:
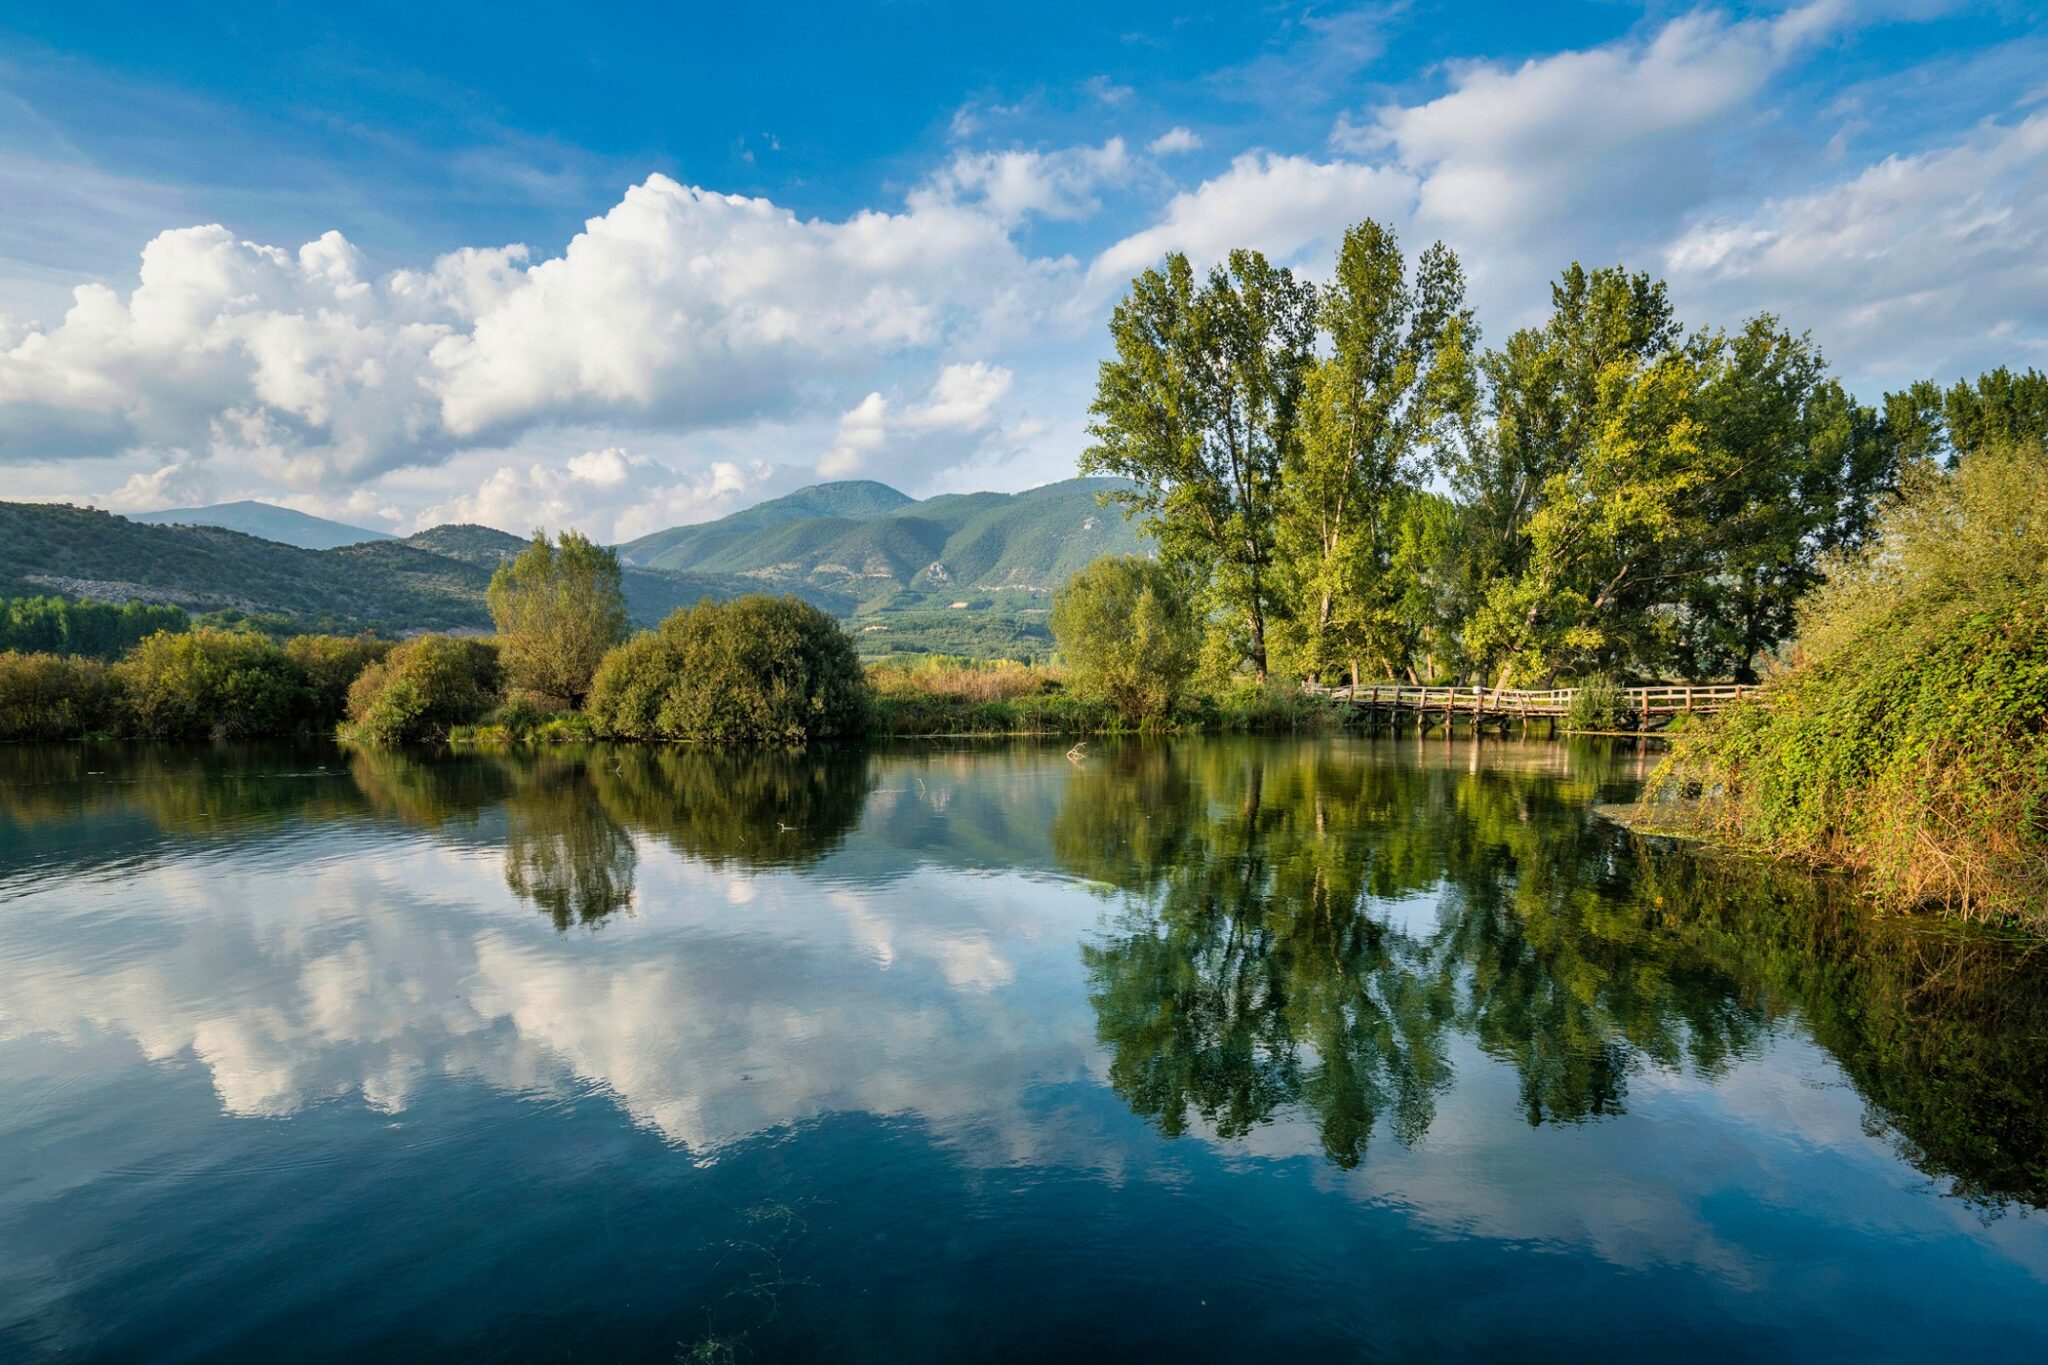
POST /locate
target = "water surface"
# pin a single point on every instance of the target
(1222, 1050)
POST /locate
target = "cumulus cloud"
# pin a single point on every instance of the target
(1935, 263)
(1013, 185)
(181, 483)
(1508, 146)
(1282, 205)
(678, 309)
(611, 494)
(1174, 141)
(959, 407)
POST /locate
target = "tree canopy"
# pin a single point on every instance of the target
(1355, 487)
(559, 606)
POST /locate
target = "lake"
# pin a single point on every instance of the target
(1220, 1049)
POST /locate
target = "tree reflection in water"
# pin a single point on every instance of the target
(1309, 927)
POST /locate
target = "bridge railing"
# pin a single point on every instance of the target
(1554, 701)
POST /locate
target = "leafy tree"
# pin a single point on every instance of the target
(1128, 633)
(1593, 465)
(50, 696)
(424, 688)
(1399, 371)
(1802, 467)
(558, 608)
(1925, 423)
(755, 670)
(1199, 408)
(331, 664)
(93, 630)
(226, 684)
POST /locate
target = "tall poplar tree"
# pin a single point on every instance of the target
(1198, 407)
(1399, 369)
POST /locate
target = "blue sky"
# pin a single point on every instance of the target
(613, 269)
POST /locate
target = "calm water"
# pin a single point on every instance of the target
(1228, 1050)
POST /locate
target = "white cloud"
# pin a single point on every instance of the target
(678, 309)
(1107, 91)
(610, 494)
(1013, 185)
(1174, 141)
(960, 404)
(180, 484)
(1282, 205)
(1928, 264)
(1560, 135)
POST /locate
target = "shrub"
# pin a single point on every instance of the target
(558, 609)
(423, 688)
(1127, 632)
(1597, 704)
(227, 684)
(44, 696)
(331, 664)
(751, 671)
(1910, 741)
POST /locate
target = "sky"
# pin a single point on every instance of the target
(596, 267)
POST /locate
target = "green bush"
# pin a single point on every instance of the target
(1128, 633)
(1910, 742)
(224, 684)
(755, 670)
(45, 696)
(1597, 704)
(423, 689)
(331, 664)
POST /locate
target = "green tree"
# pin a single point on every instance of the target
(1398, 373)
(1802, 468)
(226, 684)
(1199, 408)
(1128, 633)
(331, 664)
(755, 670)
(558, 608)
(1592, 468)
(424, 688)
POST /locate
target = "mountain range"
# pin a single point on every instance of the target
(964, 573)
(280, 524)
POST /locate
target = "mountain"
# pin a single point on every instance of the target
(887, 550)
(852, 500)
(392, 585)
(80, 552)
(651, 594)
(280, 524)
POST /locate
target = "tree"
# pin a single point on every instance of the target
(1199, 407)
(558, 608)
(424, 688)
(1593, 466)
(1399, 370)
(1127, 632)
(755, 670)
(219, 683)
(1803, 468)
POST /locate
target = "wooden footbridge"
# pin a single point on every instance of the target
(1644, 708)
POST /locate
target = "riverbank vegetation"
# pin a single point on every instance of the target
(1909, 739)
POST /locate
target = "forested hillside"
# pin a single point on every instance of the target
(432, 581)
(884, 550)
